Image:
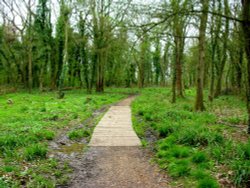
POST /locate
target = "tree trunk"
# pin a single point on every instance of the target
(199, 104)
(65, 59)
(30, 69)
(174, 86)
(239, 70)
(225, 46)
(178, 66)
(246, 30)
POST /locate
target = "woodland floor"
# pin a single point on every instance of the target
(44, 141)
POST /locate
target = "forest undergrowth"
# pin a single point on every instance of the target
(205, 149)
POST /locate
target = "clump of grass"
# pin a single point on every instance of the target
(9, 168)
(148, 117)
(43, 109)
(44, 134)
(179, 168)
(140, 113)
(53, 117)
(199, 174)
(179, 152)
(74, 116)
(24, 109)
(166, 143)
(199, 157)
(35, 151)
(199, 136)
(246, 150)
(78, 134)
(3, 184)
(207, 182)
(241, 172)
(40, 181)
(10, 142)
(165, 129)
(233, 120)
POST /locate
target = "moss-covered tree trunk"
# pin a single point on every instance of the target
(199, 104)
(224, 51)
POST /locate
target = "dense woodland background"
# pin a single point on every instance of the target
(55, 45)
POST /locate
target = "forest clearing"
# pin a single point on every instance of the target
(133, 94)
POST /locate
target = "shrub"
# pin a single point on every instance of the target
(35, 151)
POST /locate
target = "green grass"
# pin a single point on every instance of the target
(190, 145)
(78, 134)
(207, 182)
(34, 119)
(36, 151)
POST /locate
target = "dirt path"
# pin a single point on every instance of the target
(113, 163)
(118, 167)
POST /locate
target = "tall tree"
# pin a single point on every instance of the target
(221, 65)
(246, 30)
(215, 29)
(179, 26)
(199, 104)
(64, 20)
(43, 32)
(85, 73)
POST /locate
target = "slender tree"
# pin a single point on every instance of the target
(199, 104)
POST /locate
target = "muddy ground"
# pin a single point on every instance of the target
(119, 167)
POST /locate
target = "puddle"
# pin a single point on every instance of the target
(73, 148)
